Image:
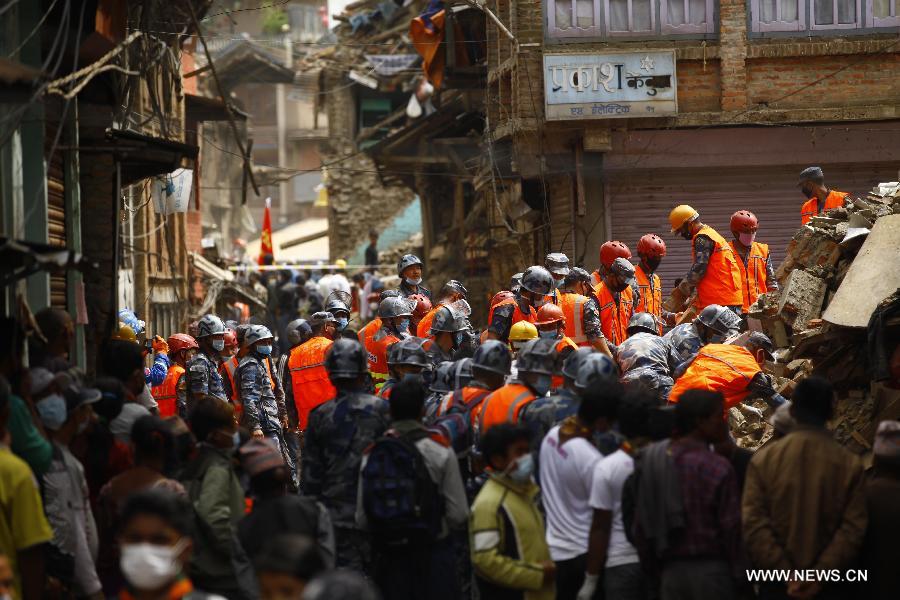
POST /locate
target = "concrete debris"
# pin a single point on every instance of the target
(838, 268)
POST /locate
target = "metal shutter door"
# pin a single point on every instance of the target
(640, 203)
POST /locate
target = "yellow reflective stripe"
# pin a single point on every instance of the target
(294, 369)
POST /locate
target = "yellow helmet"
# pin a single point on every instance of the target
(522, 332)
(680, 215)
(340, 263)
(124, 333)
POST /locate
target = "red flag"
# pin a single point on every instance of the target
(265, 241)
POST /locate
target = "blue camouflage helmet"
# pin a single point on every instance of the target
(408, 351)
(298, 331)
(573, 362)
(537, 356)
(346, 359)
(443, 379)
(493, 356)
(642, 321)
(596, 368)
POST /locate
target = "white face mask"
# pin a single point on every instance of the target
(150, 567)
(413, 282)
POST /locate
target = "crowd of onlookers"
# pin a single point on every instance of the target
(622, 499)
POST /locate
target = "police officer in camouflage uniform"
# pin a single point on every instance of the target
(578, 281)
(714, 324)
(203, 369)
(263, 414)
(646, 359)
(297, 331)
(338, 432)
(449, 328)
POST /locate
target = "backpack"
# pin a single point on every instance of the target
(403, 505)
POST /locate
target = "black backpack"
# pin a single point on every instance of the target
(403, 505)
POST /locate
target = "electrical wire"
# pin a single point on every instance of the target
(33, 31)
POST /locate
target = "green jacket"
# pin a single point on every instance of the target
(218, 500)
(507, 539)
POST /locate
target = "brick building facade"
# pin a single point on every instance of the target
(764, 89)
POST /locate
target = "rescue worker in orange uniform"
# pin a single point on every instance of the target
(732, 370)
(449, 330)
(309, 379)
(714, 271)
(536, 286)
(450, 292)
(651, 249)
(616, 297)
(536, 363)
(490, 367)
(495, 300)
(297, 332)
(366, 334)
(582, 312)
(171, 394)
(819, 199)
(757, 274)
(551, 325)
(609, 251)
(395, 316)
(338, 304)
(406, 357)
(421, 309)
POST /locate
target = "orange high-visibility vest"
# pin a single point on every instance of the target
(651, 294)
(566, 343)
(810, 208)
(467, 399)
(723, 368)
(504, 405)
(309, 379)
(166, 393)
(572, 306)
(366, 334)
(423, 329)
(614, 317)
(753, 275)
(721, 284)
(596, 279)
(517, 315)
(377, 353)
(229, 369)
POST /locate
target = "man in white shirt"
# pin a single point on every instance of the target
(609, 549)
(568, 460)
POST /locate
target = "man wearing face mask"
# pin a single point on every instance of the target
(448, 331)
(395, 314)
(171, 395)
(551, 325)
(410, 271)
(338, 304)
(203, 368)
(558, 265)
(309, 379)
(65, 487)
(537, 284)
(714, 271)
(535, 363)
(579, 305)
(616, 298)
(451, 292)
(406, 357)
(651, 250)
(757, 274)
(156, 546)
(263, 415)
(820, 199)
(732, 370)
(505, 509)
(714, 324)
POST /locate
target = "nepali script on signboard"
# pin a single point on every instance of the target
(609, 86)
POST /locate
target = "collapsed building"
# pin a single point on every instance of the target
(837, 316)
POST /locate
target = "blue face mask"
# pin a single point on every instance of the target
(342, 323)
(264, 350)
(52, 411)
(458, 338)
(523, 469)
(547, 335)
(542, 385)
(403, 325)
(218, 345)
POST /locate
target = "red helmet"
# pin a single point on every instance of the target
(230, 339)
(651, 246)
(744, 221)
(500, 297)
(181, 341)
(550, 313)
(610, 251)
(423, 305)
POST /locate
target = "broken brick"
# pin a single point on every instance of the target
(801, 299)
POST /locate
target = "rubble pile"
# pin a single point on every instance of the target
(819, 330)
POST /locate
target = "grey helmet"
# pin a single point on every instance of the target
(320, 318)
(454, 287)
(231, 324)
(209, 325)
(577, 274)
(406, 261)
(346, 359)
(442, 380)
(537, 356)
(595, 368)
(720, 319)
(557, 263)
(388, 294)
(462, 373)
(452, 318)
(493, 356)
(255, 333)
(537, 280)
(573, 362)
(642, 321)
(515, 282)
(408, 351)
(298, 331)
(395, 307)
(240, 331)
(338, 300)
